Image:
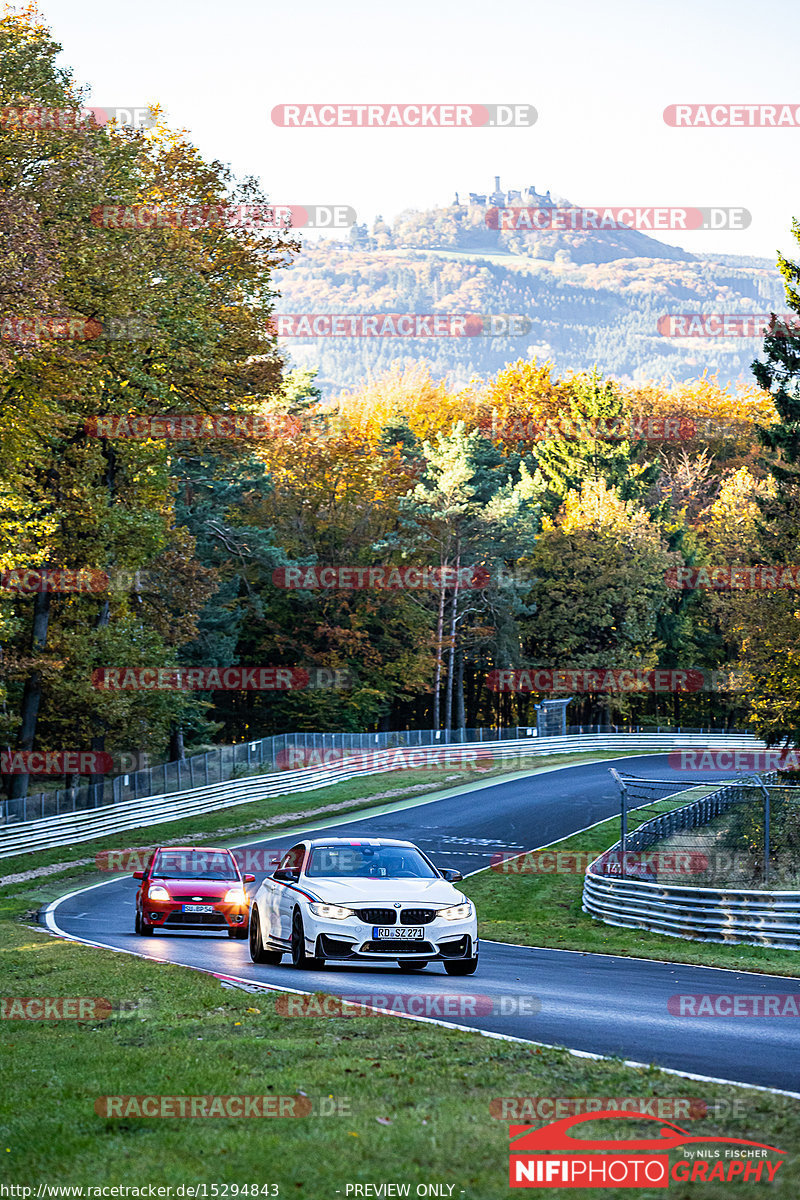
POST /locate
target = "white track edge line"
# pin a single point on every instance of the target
(504, 1037)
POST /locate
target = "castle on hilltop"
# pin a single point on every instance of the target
(529, 198)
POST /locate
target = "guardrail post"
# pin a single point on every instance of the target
(623, 819)
(766, 836)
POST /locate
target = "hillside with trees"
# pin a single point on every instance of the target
(569, 497)
(593, 299)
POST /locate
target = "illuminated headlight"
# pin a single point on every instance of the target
(459, 912)
(235, 896)
(158, 893)
(334, 911)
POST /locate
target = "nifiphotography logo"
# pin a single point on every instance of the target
(552, 1157)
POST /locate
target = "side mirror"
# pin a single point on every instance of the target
(138, 874)
(286, 874)
(249, 878)
(450, 876)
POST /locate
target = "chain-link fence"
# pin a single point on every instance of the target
(281, 752)
(286, 751)
(745, 834)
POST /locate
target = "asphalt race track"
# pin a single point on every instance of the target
(589, 1002)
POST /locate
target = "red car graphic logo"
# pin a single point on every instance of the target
(527, 1138)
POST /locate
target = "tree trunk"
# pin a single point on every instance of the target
(448, 709)
(461, 720)
(98, 743)
(32, 695)
(99, 740)
(473, 698)
(176, 749)
(437, 682)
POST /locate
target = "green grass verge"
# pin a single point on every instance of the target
(409, 1103)
(265, 818)
(531, 909)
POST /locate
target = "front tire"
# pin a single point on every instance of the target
(257, 952)
(462, 966)
(301, 960)
(238, 931)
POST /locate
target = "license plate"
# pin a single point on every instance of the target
(198, 908)
(393, 933)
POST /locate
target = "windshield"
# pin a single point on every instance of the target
(369, 862)
(194, 864)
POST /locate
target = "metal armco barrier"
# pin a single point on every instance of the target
(751, 917)
(139, 781)
(702, 914)
(86, 825)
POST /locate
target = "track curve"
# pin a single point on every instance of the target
(593, 1003)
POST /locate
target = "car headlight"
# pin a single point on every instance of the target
(235, 896)
(458, 912)
(157, 892)
(334, 911)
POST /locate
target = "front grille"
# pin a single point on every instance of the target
(377, 916)
(198, 899)
(417, 916)
(180, 918)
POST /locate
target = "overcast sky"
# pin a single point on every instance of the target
(599, 74)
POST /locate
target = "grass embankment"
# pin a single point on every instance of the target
(544, 909)
(409, 1103)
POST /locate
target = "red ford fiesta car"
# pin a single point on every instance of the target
(185, 887)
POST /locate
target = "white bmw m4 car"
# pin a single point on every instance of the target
(363, 900)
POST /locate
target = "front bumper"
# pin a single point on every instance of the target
(169, 914)
(352, 939)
